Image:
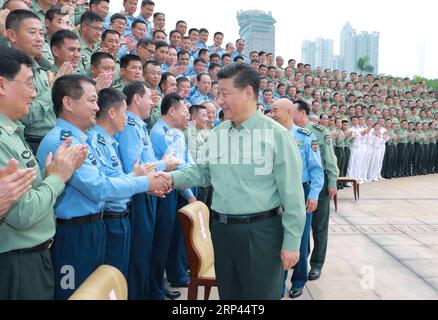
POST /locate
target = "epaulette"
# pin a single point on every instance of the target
(101, 139)
(304, 131)
(319, 127)
(65, 134)
(131, 121)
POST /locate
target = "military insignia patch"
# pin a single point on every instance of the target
(65, 134)
(304, 131)
(131, 121)
(26, 155)
(113, 158)
(145, 141)
(101, 139)
(92, 158)
(328, 139)
(31, 164)
(315, 146)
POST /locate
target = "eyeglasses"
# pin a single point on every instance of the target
(149, 50)
(100, 29)
(30, 86)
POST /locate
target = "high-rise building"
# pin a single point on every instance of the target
(257, 29)
(357, 45)
(318, 53)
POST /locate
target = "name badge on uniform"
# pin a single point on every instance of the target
(31, 164)
(145, 141)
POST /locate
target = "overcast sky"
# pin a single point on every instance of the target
(408, 29)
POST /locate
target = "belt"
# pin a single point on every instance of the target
(82, 220)
(33, 139)
(248, 218)
(41, 247)
(115, 215)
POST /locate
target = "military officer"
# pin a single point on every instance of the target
(27, 228)
(80, 234)
(203, 88)
(135, 145)
(313, 181)
(267, 176)
(90, 33)
(320, 222)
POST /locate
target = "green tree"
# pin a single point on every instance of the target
(363, 64)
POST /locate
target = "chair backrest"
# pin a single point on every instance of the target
(195, 219)
(106, 283)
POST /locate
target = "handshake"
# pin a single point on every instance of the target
(160, 184)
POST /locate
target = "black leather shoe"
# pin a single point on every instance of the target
(314, 274)
(295, 293)
(172, 295)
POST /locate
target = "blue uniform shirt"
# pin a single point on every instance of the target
(201, 45)
(312, 167)
(135, 144)
(88, 188)
(198, 98)
(219, 51)
(167, 141)
(108, 148)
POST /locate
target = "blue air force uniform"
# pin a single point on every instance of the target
(313, 182)
(118, 230)
(135, 144)
(79, 247)
(198, 98)
(166, 141)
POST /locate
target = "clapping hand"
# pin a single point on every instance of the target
(144, 169)
(171, 162)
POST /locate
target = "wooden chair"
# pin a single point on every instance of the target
(106, 283)
(195, 219)
(356, 185)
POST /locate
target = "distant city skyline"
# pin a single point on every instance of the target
(407, 40)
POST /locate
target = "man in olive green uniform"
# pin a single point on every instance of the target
(41, 118)
(267, 176)
(27, 228)
(411, 149)
(320, 222)
(89, 37)
(402, 149)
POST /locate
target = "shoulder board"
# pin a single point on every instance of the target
(319, 127)
(131, 121)
(65, 134)
(304, 131)
(101, 139)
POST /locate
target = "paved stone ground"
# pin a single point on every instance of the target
(384, 246)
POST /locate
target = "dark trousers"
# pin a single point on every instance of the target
(247, 259)
(26, 276)
(177, 261)
(340, 155)
(418, 158)
(425, 157)
(384, 172)
(347, 152)
(299, 275)
(118, 243)
(410, 159)
(320, 226)
(401, 158)
(78, 250)
(163, 233)
(142, 221)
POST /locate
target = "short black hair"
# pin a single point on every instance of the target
(124, 62)
(196, 108)
(164, 77)
(243, 75)
(16, 17)
(109, 31)
(199, 76)
(144, 42)
(50, 14)
(147, 2)
(96, 2)
(137, 21)
(218, 34)
(152, 62)
(97, 57)
(303, 105)
(169, 101)
(160, 44)
(117, 16)
(68, 86)
(133, 88)
(59, 36)
(109, 98)
(90, 17)
(11, 60)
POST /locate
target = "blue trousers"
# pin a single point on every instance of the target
(118, 244)
(299, 275)
(163, 233)
(142, 220)
(78, 250)
(177, 261)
